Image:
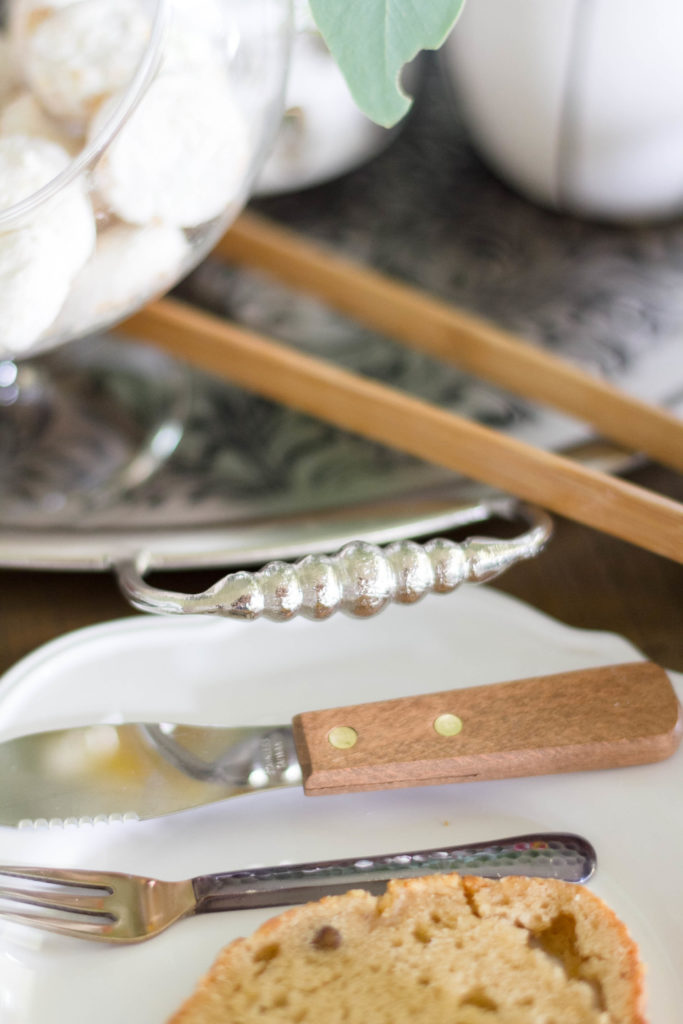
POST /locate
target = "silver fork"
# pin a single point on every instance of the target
(114, 907)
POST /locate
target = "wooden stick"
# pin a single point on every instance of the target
(428, 324)
(412, 425)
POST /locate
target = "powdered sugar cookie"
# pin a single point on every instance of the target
(28, 12)
(197, 36)
(40, 253)
(187, 48)
(25, 15)
(77, 55)
(26, 165)
(33, 287)
(23, 115)
(9, 77)
(206, 17)
(65, 222)
(128, 267)
(70, 219)
(182, 156)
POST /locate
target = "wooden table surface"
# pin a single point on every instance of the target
(583, 578)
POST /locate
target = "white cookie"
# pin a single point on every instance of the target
(65, 222)
(23, 115)
(186, 48)
(204, 16)
(129, 266)
(26, 11)
(197, 37)
(9, 76)
(79, 54)
(182, 157)
(26, 165)
(33, 288)
(40, 253)
(24, 15)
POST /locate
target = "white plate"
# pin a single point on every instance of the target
(216, 671)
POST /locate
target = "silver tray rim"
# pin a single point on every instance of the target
(405, 515)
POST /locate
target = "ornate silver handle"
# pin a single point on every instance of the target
(360, 580)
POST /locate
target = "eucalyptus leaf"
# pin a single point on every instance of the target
(372, 40)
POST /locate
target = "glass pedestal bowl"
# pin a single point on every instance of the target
(131, 132)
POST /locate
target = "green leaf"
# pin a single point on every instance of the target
(372, 40)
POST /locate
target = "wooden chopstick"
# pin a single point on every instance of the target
(428, 324)
(392, 417)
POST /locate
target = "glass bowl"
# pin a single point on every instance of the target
(131, 132)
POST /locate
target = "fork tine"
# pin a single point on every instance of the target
(61, 876)
(60, 901)
(85, 929)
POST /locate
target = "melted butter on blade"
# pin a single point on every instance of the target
(118, 772)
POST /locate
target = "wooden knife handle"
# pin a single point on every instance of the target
(592, 718)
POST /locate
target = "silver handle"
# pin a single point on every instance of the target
(543, 855)
(360, 580)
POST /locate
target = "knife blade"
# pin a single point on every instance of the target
(598, 718)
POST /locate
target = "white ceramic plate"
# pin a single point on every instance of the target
(227, 672)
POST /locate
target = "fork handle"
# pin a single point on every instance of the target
(543, 855)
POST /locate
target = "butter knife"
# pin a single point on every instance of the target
(589, 719)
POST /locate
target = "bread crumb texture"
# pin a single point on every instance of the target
(440, 950)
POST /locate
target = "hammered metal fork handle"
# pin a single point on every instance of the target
(542, 855)
(360, 580)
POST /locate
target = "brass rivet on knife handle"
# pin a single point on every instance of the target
(448, 725)
(343, 737)
(588, 719)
